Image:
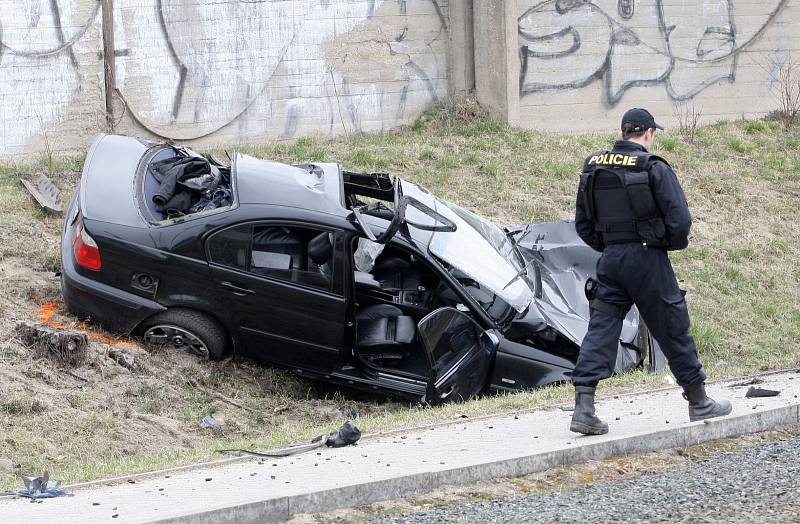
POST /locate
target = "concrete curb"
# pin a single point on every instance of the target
(370, 492)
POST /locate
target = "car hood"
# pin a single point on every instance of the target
(562, 263)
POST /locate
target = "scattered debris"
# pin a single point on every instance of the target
(45, 193)
(283, 452)
(754, 380)
(760, 392)
(41, 488)
(210, 422)
(346, 435)
(124, 359)
(68, 347)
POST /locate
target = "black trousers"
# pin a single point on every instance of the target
(630, 274)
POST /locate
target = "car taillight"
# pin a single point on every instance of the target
(85, 248)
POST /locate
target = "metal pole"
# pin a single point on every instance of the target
(109, 60)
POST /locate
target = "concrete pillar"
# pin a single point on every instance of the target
(497, 58)
(461, 49)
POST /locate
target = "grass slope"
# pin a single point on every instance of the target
(742, 181)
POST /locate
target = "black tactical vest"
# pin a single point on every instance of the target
(616, 193)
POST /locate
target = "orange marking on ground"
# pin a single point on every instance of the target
(48, 310)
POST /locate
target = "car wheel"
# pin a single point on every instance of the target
(186, 330)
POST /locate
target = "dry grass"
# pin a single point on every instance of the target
(742, 181)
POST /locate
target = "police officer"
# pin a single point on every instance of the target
(632, 208)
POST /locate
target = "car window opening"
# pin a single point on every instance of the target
(178, 182)
(293, 254)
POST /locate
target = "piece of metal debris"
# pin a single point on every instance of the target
(346, 435)
(45, 193)
(760, 392)
(41, 488)
(210, 422)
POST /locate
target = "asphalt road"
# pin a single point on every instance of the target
(760, 484)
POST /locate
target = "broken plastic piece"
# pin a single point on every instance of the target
(209, 422)
(44, 192)
(345, 436)
(760, 392)
(41, 488)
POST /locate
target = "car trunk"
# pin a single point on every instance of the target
(108, 180)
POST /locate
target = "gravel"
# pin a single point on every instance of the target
(760, 484)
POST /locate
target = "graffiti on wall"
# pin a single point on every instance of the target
(192, 67)
(187, 69)
(686, 46)
(39, 41)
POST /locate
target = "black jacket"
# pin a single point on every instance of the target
(669, 197)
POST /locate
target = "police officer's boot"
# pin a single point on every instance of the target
(701, 406)
(584, 419)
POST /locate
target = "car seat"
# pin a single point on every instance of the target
(384, 334)
(320, 253)
(396, 274)
(279, 240)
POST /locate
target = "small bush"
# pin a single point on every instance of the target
(755, 126)
(740, 145)
(668, 144)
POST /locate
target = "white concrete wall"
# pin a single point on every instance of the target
(581, 64)
(218, 71)
(51, 78)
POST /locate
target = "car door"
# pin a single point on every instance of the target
(289, 308)
(459, 354)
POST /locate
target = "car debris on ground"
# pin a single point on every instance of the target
(210, 422)
(45, 192)
(38, 488)
(761, 392)
(347, 435)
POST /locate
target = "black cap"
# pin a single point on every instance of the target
(641, 119)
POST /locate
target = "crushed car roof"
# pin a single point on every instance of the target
(315, 186)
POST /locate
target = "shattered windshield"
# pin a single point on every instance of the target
(478, 249)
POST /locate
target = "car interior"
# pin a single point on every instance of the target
(209, 187)
(294, 254)
(394, 290)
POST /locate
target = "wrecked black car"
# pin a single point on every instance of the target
(350, 278)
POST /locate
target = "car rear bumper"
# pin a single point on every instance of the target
(114, 309)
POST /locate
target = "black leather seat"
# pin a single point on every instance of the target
(396, 274)
(320, 252)
(384, 334)
(280, 240)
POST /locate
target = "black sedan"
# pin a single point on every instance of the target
(350, 278)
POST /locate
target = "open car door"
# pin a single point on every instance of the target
(459, 354)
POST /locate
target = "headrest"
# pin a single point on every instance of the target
(320, 248)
